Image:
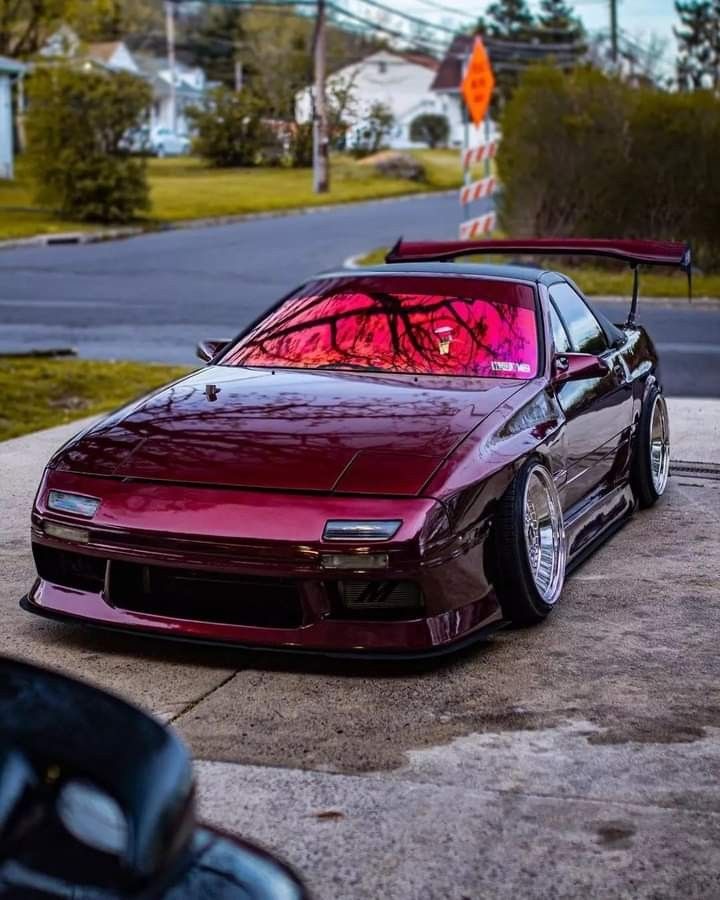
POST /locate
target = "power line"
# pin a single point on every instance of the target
(409, 18)
(251, 4)
(384, 29)
(451, 10)
(435, 43)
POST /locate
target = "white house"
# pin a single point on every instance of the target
(10, 69)
(190, 82)
(401, 81)
(190, 89)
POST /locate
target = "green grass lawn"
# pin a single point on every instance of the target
(40, 393)
(596, 281)
(184, 188)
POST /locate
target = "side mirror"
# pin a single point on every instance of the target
(97, 799)
(124, 817)
(576, 366)
(208, 350)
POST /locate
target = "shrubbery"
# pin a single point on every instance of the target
(585, 154)
(79, 128)
(431, 129)
(301, 145)
(372, 135)
(230, 130)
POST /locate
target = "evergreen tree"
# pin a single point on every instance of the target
(698, 37)
(212, 44)
(510, 20)
(558, 23)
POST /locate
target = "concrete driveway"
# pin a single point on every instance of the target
(580, 758)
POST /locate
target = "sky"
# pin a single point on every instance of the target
(638, 18)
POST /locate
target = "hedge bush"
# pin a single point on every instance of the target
(432, 129)
(80, 128)
(376, 128)
(585, 154)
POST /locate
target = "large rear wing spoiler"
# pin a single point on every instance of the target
(635, 253)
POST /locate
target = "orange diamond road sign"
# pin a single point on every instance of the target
(478, 84)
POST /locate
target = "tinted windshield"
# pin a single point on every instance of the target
(429, 326)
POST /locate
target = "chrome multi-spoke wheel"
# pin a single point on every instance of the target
(659, 444)
(650, 466)
(544, 534)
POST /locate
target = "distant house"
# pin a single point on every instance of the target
(446, 87)
(191, 84)
(191, 87)
(401, 81)
(63, 43)
(10, 70)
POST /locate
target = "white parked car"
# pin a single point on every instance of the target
(164, 142)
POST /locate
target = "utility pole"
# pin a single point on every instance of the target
(613, 32)
(321, 167)
(170, 38)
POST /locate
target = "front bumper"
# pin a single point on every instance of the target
(267, 544)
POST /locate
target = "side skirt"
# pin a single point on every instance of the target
(597, 522)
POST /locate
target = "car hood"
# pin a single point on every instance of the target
(306, 430)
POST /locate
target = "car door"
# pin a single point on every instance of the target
(598, 410)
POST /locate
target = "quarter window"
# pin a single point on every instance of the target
(585, 332)
(560, 336)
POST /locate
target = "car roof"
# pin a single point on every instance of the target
(477, 270)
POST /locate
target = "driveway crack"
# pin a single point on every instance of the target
(198, 700)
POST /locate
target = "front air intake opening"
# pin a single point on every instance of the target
(69, 569)
(376, 600)
(205, 596)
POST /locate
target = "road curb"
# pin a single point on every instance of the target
(216, 221)
(94, 237)
(353, 262)
(71, 237)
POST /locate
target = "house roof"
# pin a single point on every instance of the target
(161, 87)
(450, 72)
(417, 59)
(154, 65)
(421, 59)
(11, 66)
(103, 50)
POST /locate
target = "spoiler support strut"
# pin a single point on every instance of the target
(635, 293)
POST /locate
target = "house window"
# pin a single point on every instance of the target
(382, 68)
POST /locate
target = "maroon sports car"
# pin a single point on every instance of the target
(390, 461)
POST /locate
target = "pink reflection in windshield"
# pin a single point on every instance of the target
(411, 333)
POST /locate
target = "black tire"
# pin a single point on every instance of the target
(644, 485)
(521, 601)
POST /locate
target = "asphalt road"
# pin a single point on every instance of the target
(153, 297)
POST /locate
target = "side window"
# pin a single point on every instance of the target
(585, 333)
(560, 336)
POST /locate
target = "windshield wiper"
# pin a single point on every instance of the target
(357, 367)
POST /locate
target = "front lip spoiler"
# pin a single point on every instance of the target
(475, 637)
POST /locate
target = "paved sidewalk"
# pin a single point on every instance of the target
(575, 759)
(695, 429)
